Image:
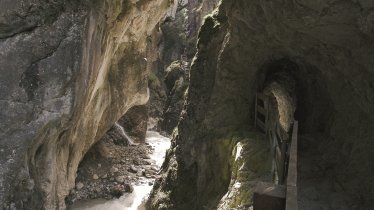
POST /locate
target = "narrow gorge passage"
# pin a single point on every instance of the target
(118, 172)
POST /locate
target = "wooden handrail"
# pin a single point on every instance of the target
(262, 96)
(262, 110)
(291, 193)
(284, 152)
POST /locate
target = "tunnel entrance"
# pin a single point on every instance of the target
(278, 81)
(300, 93)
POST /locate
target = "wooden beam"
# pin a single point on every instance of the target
(278, 154)
(256, 110)
(261, 96)
(291, 194)
(268, 196)
(261, 124)
(261, 110)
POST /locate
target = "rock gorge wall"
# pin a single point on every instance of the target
(331, 45)
(69, 70)
(174, 38)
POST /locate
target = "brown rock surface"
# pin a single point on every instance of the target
(134, 122)
(330, 46)
(113, 170)
(69, 70)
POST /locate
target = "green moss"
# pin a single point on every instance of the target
(174, 66)
(153, 80)
(252, 164)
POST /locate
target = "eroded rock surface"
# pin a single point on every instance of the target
(69, 70)
(173, 43)
(117, 168)
(134, 122)
(331, 43)
(250, 163)
(176, 81)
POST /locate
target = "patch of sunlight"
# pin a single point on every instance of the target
(239, 148)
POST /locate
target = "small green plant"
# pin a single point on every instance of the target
(153, 80)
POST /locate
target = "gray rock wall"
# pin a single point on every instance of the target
(332, 45)
(174, 40)
(68, 71)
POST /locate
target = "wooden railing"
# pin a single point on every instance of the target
(284, 156)
(291, 193)
(279, 148)
(261, 111)
(271, 130)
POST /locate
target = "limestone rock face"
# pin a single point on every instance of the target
(134, 122)
(330, 45)
(173, 41)
(250, 162)
(68, 71)
(176, 82)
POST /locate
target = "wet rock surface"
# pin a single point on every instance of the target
(134, 122)
(117, 170)
(125, 180)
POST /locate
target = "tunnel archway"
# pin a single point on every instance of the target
(307, 87)
(312, 105)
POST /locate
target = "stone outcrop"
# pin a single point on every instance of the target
(134, 123)
(250, 163)
(176, 81)
(173, 41)
(329, 45)
(69, 70)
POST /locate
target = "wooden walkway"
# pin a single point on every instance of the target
(282, 193)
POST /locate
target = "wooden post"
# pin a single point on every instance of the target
(291, 194)
(282, 167)
(256, 110)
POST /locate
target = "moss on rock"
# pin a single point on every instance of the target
(250, 162)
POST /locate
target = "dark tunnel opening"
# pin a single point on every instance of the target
(306, 85)
(300, 91)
